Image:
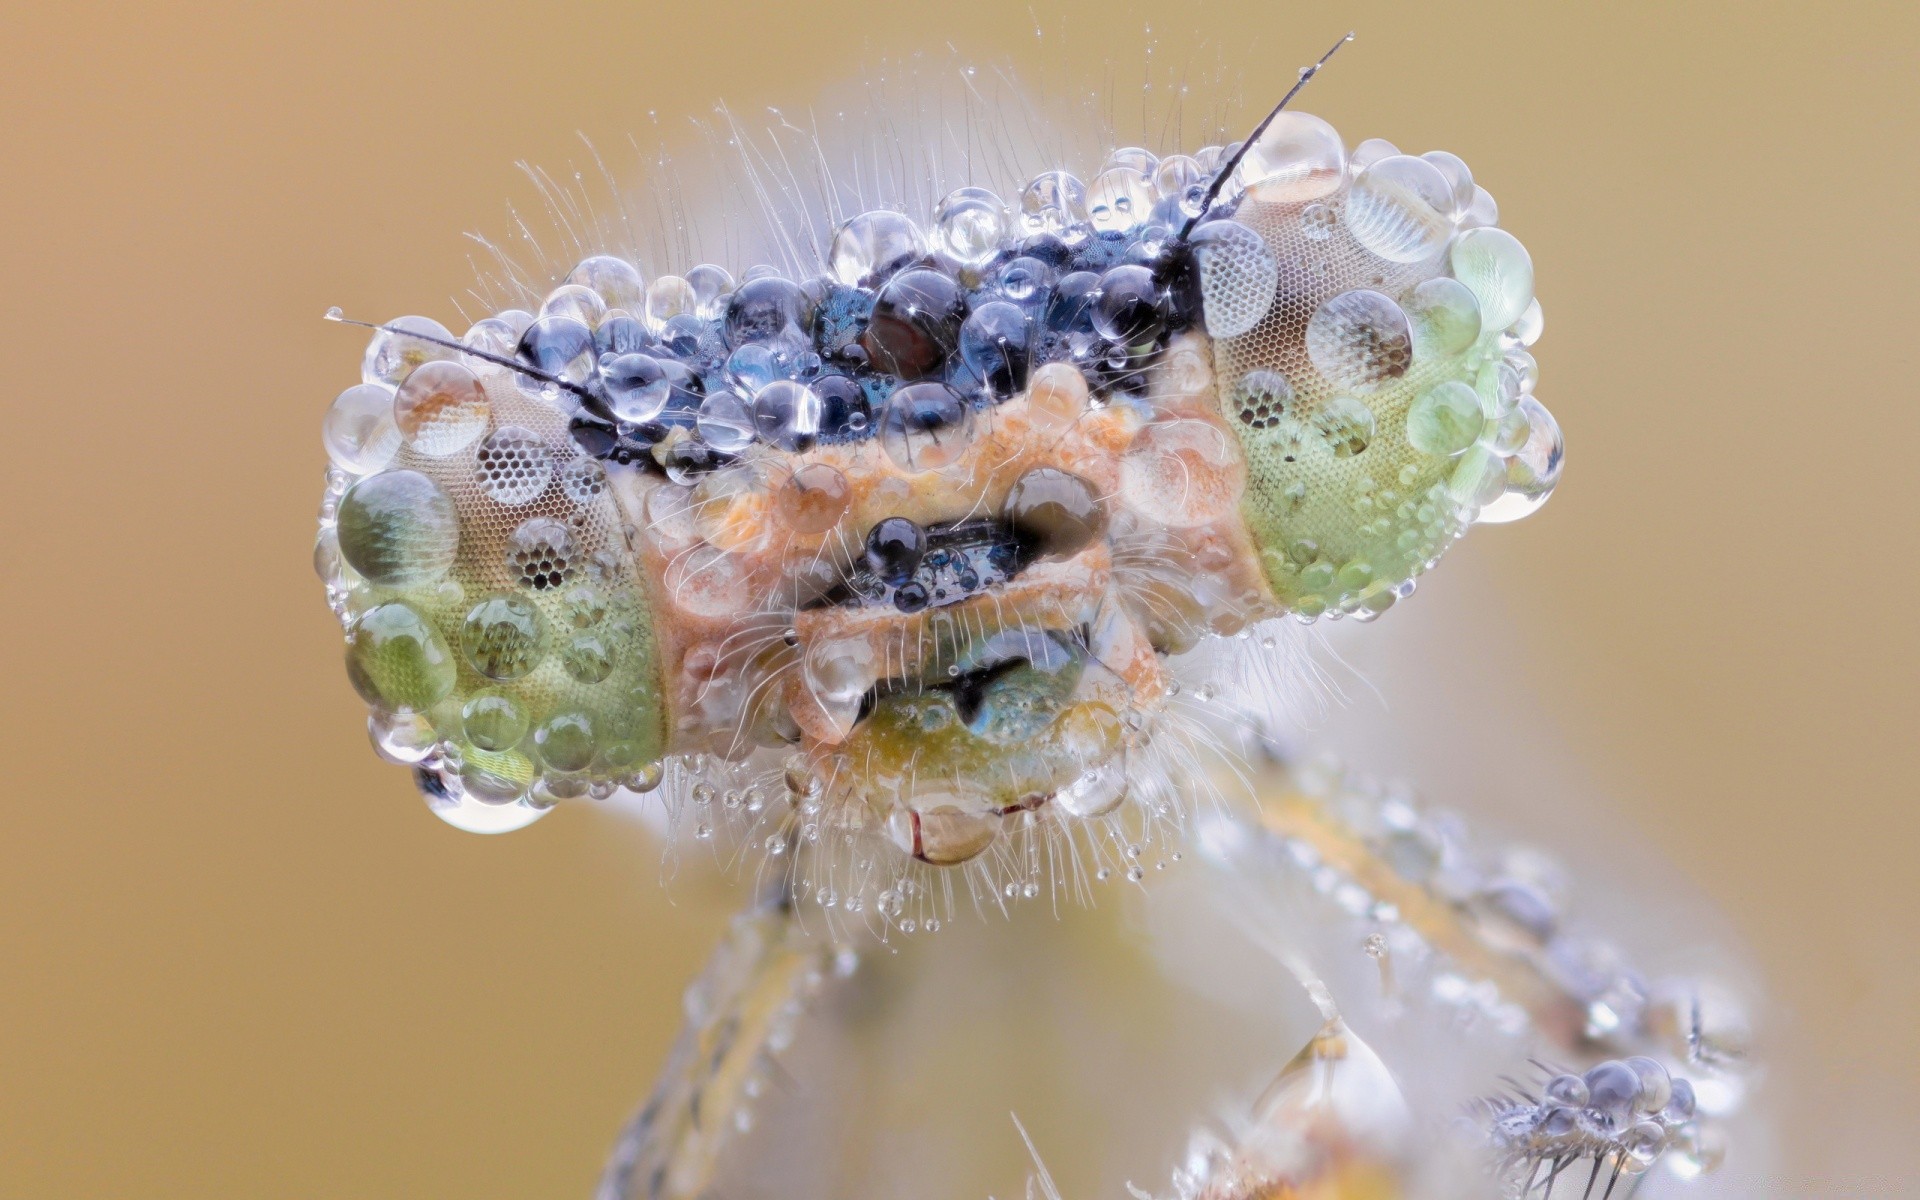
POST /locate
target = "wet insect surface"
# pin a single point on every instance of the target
(889, 566)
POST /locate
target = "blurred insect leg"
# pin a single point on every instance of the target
(740, 1012)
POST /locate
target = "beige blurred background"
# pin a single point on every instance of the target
(240, 959)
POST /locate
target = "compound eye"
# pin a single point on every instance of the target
(496, 624)
(1370, 353)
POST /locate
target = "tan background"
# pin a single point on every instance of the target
(239, 959)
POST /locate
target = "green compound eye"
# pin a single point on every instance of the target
(490, 593)
(1382, 395)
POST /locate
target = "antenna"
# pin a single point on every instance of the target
(498, 360)
(1232, 164)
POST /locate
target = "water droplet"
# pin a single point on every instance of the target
(566, 741)
(541, 554)
(925, 427)
(787, 414)
(441, 408)
(711, 286)
(494, 720)
(1359, 340)
(392, 355)
(513, 465)
(396, 659)
(358, 430)
(1533, 471)
(667, 297)
(398, 529)
(1401, 209)
(1119, 200)
(813, 498)
(1056, 203)
(872, 246)
(1444, 315)
(615, 281)
(726, 421)
(969, 226)
(502, 636)
(1496, 267)
(1297, 157)
(1238, 277)
(1445, 420)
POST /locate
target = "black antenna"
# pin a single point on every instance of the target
(1232, 164)
(498, 360)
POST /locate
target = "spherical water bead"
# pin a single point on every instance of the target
(494, 721)
(489, 335)
(1238, 277)
(565, 741)
(726, 421)
(402, 738)
(812, 499)
(1174, 175)
(561, 347)
(1025, 280)
(448, 799)
(844, 411)
(1656, 1086)
(1359, 340)
(1130, 308)
(925, 427)
(396, 659)
(1346, 425)
(615, 280)
(915, 323)
(1454, 169)
(1612, 1088)
(583, 480)
(1445, 420)
(620, 332)
(541, 554)
(1529, 326)
(1368, 152)
(1496, 267)
(752, 367)
(839, 672)
(1570, 1090)
(583, 304)
(1680, 1102)
(872, 246)
(392, 355)
(1261, 399)
(499, 777)
(1056, 203)
(1444, 315)
(1298, 157)
(636, 386)
(787, 414)
(503, 636)
(1099, 790)
(1119, 200)
(1133, 158)
(358, 430)
(969, 225)
(1533, 471)
(711, 286)
(1482, 212)
(1059, 512)
(1479, 477)
(1056, 397)
(513, 465)
(588, 657)
(765, 310)
(1401, 209)
(1640, 1146)
(441, 408)
(996, 342)
(943, 837)
(667, 297)
(398, 529)
(895, 547)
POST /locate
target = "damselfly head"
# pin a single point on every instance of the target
(919, 530)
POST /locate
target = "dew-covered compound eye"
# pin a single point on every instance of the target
(496, 625)
(1369, 328)
(909, 530)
